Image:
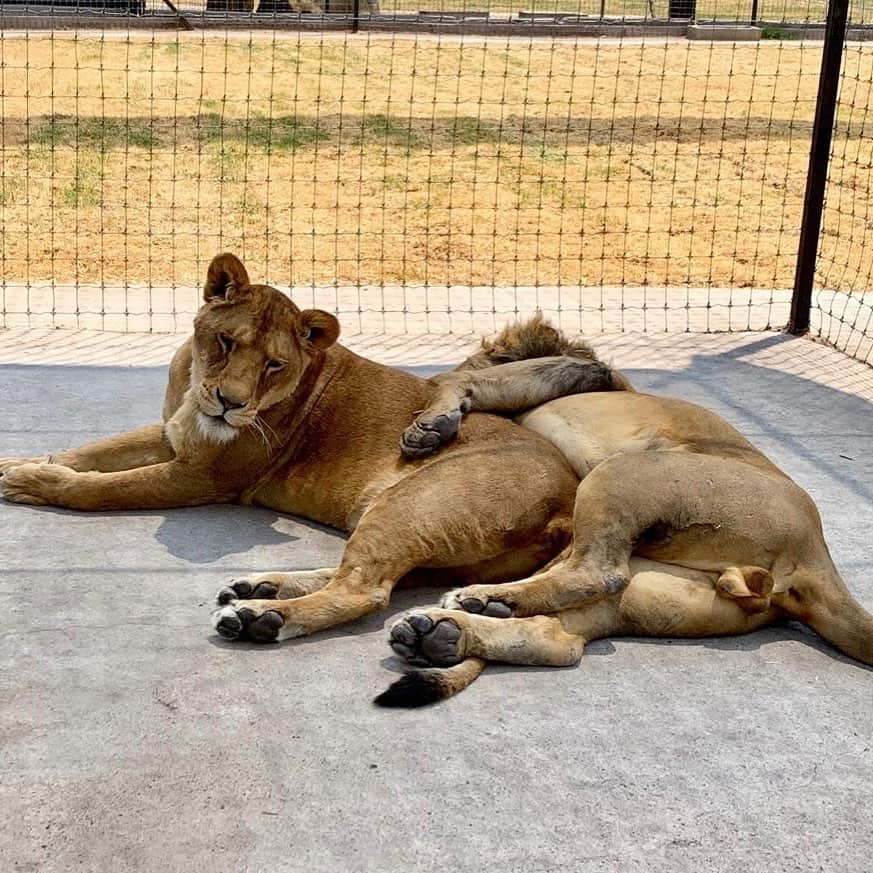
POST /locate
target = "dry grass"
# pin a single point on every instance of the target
(391, 160)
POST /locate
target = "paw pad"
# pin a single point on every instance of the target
(427, 643)
(243, 624)
(244, 590)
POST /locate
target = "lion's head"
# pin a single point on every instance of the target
(252, 346)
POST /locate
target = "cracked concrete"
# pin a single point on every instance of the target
(134, 739)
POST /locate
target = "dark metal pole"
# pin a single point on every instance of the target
(819, 157)
(754, 11)
(356, 15)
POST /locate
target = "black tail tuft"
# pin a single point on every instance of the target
(413, 690)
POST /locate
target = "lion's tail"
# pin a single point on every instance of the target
(420, 687)
(831, 610)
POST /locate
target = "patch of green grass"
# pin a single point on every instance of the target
(473, 131)
(542, 153)
(769, 31)
(101, 133)
(249, 205)
(230, 163)
(283, 133)
(86, 187)
(289, 55)
(9, 190)
(395, 181)
(268, 135)
(210, 127)
(54, 132)
(390, 131)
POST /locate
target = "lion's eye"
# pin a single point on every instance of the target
(275, 366)
(226, 343)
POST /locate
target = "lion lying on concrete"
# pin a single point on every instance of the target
(264, 407)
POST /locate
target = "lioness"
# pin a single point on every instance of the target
(263, 406)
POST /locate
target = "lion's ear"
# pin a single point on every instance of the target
(318, 328)
(225, 279)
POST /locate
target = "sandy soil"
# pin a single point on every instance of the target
(401, 161)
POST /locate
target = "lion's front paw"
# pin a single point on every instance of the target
(260, 621)
(431, 430)
(9, 463)
(243, 589)
(275, 586)
(476, 600)
(427, 641)
(34, 484)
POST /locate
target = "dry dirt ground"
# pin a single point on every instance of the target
(133, 158)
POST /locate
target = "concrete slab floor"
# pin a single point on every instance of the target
(133, 739)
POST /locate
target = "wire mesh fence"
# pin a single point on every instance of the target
(418, 167)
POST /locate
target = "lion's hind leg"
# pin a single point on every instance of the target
(505, 389)
(444, 637)
(454, 648)
(527, 364)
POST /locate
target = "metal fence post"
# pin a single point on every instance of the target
(819, 157)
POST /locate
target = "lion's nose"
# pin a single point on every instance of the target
(228, 402)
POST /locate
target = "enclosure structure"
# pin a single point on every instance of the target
(621, 166)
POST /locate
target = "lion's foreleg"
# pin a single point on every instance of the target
(136, 448)
(353, 592)
(159, 486)
(505, 389)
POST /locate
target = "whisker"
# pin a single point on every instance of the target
(268, 427)
(256, 425)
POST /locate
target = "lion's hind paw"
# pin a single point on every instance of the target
(468, 600)
(425, 642)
